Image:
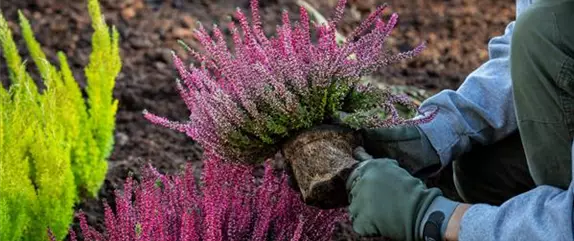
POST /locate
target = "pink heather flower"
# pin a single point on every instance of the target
(229, 204)
(244, 102)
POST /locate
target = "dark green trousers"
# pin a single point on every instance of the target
(539, 153)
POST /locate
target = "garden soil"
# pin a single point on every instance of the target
(456, 32)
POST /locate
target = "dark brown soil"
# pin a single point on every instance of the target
(456, 31)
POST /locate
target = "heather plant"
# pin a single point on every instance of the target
(246, 102)
(53, 144)
(228, 204)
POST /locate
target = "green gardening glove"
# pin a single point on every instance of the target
(402, 143)
(386, 201)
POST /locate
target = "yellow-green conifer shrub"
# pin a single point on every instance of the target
(53, 142)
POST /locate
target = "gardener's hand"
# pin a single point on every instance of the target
(385, 200)
(402, 143)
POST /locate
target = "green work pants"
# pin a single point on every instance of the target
(540, 152)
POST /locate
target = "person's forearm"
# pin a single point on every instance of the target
(544, 213)
(453, 226)
(481, 109)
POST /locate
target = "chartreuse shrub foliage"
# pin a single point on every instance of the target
(53, 142)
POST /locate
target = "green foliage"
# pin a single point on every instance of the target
(260, 140)
(363, 102)
(53, 145)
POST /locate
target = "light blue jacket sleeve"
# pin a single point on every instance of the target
(481, 110)
(544, 213)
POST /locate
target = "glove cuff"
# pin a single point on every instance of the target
(429, 160)
(435, 220)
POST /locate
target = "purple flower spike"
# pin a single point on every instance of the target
(245, 101)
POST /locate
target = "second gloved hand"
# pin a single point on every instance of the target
(385, 200)
(401, 142)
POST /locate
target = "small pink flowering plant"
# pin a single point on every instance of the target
(245, 103)
(228, 203)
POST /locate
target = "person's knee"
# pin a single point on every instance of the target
(532, 29)
(535, 59)
(536, 47)
(535, 24)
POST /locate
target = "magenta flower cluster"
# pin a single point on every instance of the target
(243, 102)
(228, 204)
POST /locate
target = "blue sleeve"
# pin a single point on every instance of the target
(544, 213)
(481, 110)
